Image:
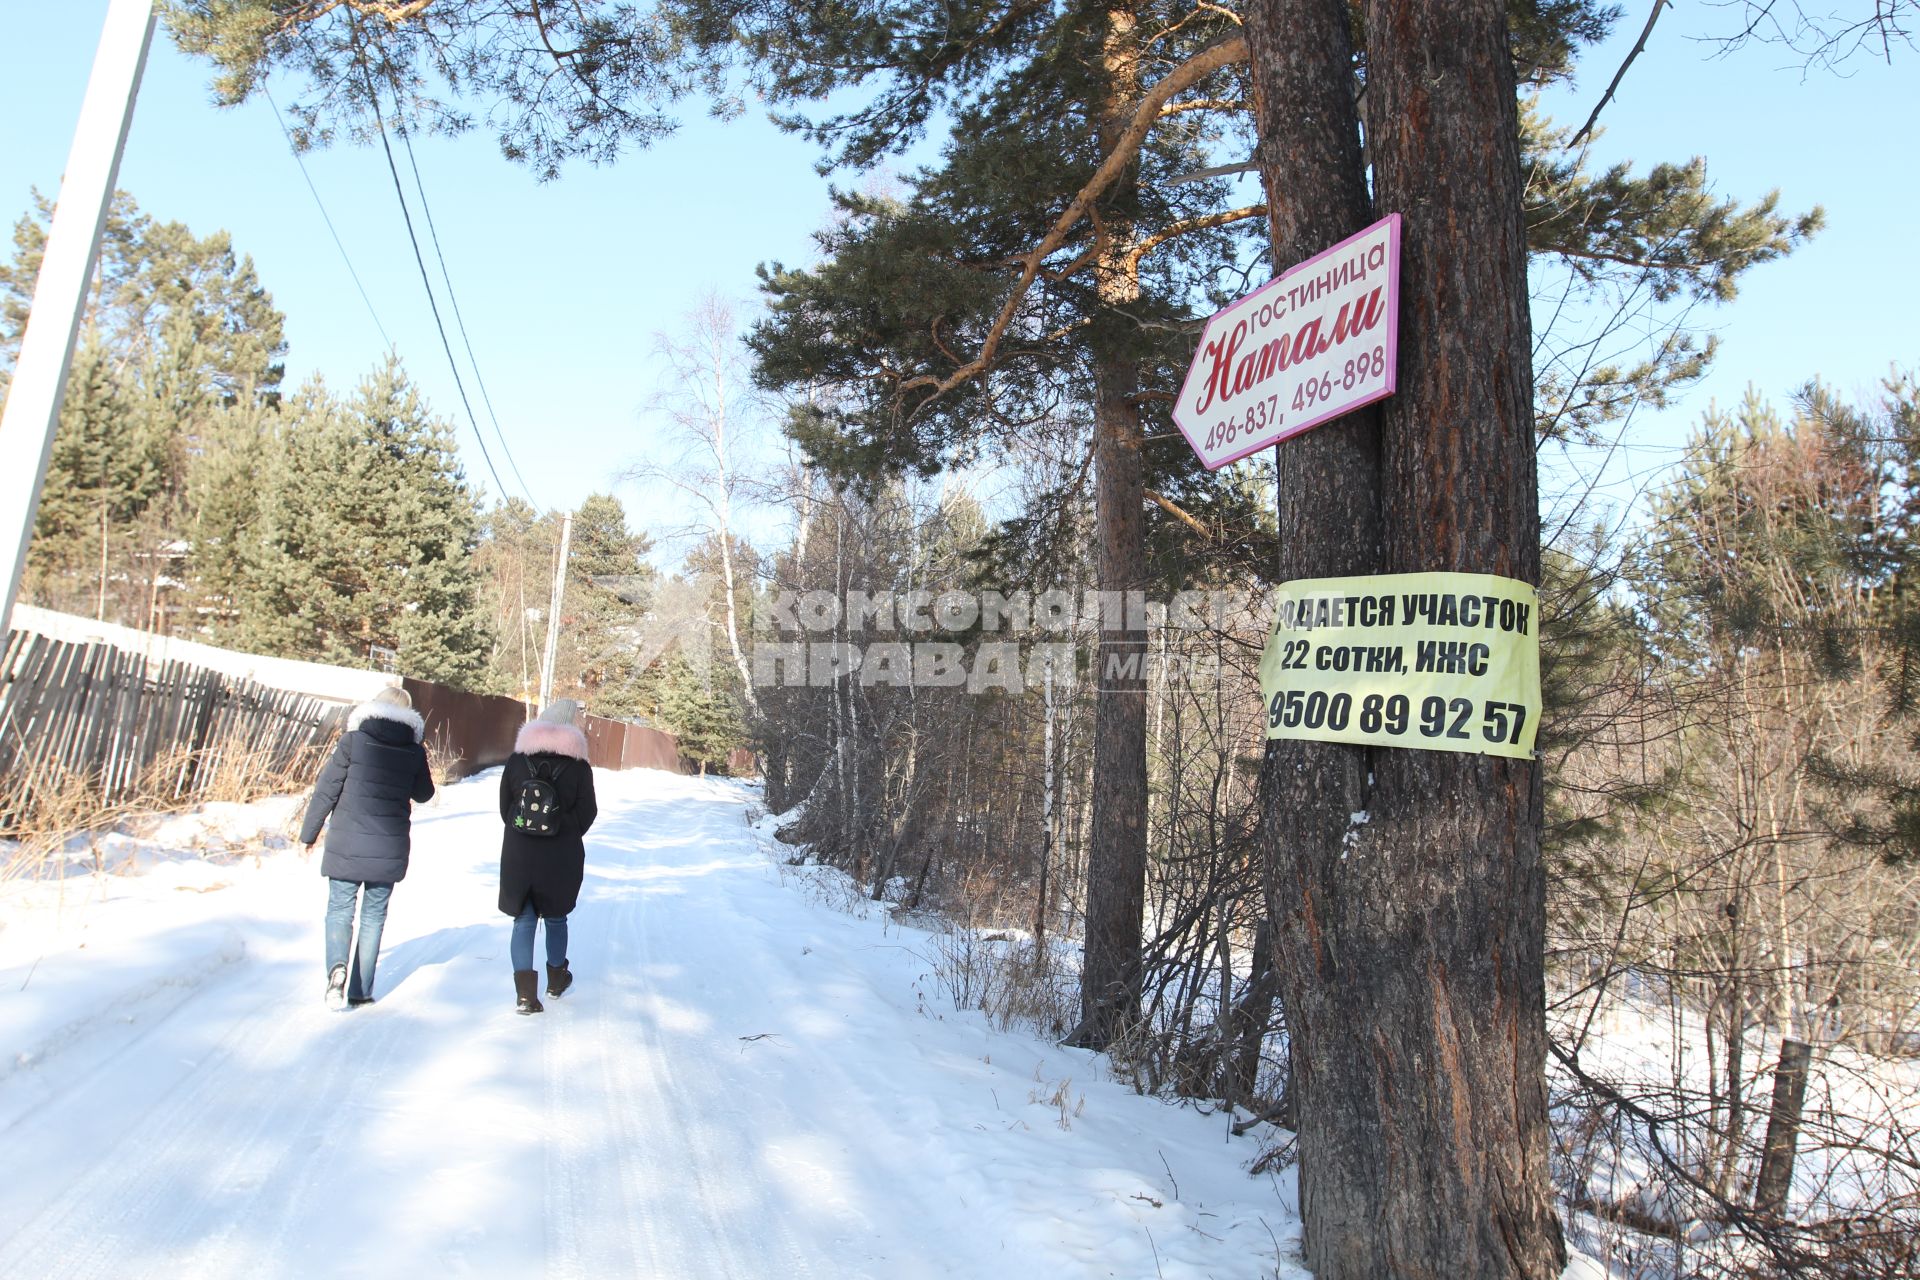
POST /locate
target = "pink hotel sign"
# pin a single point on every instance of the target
(1311, 344)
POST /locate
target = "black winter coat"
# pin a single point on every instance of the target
(548, 869)
(366, 792)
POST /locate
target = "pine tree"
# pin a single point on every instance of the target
(432, 526)
(699, 711)
(190, 334)
(107, 465)
(226, 480)
(1788, 543)
(367, 531)
(609, 584)
(1050, 267)
(300, 573)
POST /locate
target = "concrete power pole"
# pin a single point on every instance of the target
(553, 611)
(60, 293)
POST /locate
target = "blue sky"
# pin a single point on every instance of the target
(1841, 307)
(564, 285)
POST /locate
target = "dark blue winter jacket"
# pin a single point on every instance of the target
(367, 786)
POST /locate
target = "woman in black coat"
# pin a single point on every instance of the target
(365, 795)
(542, 855)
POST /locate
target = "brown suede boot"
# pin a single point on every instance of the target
(526, 984)
(559, 978)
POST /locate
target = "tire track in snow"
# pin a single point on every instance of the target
(835, 1104)
(671, 1105)
(584, 1195)
(363, 1054)
(702, 1085)
(128, 1203)
(121, 1183)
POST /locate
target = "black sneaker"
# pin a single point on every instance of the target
(337, 987)
(355, 1002)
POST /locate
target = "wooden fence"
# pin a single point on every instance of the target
(156, 731)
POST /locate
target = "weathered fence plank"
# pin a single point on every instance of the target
(112, 718)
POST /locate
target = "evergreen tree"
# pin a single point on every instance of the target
(609, 585)
(366, 537)
(107, 465)
(1790, 541)
(181, 328)
(161, 294)
(1656, 245)
(1051, 267)
(226, 477)
(699, 710)
(302, 571)
(432, 527)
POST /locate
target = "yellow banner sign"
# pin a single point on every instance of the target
(1441, 661)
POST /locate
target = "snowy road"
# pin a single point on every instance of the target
(745, 1082)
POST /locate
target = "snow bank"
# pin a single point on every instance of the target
(314, 679)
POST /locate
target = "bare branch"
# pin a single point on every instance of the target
(1619, 75)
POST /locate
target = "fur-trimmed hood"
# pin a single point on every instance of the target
(387, 711)
(536, 736)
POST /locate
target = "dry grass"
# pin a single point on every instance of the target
(1063, 1099)
(441, 755)
(1007, 977)
(53, 806)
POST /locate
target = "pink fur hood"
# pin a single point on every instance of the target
(561, 739)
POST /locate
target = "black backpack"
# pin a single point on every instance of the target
(536, 809)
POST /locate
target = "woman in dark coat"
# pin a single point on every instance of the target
(365, 796)
(540, 873)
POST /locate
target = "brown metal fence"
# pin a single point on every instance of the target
(129, 727)
(474, 731)
(467, 732)
(615, 744)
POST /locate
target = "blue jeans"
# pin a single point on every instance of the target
(521, 948)
(373, 918)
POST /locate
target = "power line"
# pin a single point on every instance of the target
(344, 256)
(446, 278)
(426, 280)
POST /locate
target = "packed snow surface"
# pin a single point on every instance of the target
(747, 1080)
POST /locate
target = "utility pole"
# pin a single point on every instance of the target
(553, 611)
(60, 293)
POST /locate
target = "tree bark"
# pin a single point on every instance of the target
(1411, 946)
(1117, 856)
(1783, 1128)
(1249, 1020)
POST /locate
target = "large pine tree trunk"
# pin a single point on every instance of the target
(1411, 945)
(1466, 917)
(1117, 855)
